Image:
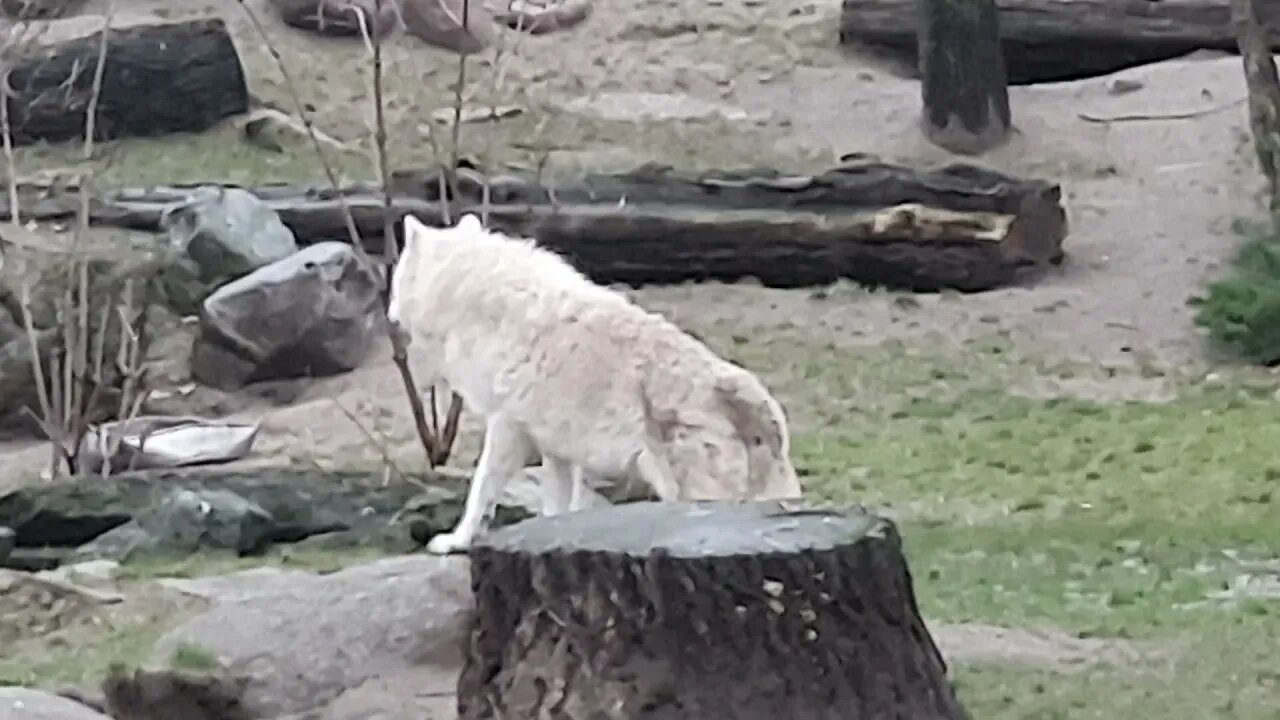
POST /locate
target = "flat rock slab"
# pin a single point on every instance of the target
(308, 639)
(18, 703)
(410, 694)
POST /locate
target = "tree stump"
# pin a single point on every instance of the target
(650, 611)
(157, 79)
(964, 86)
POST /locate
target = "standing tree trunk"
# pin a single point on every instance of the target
(1264, 95)
(715, 611)
(965, 89)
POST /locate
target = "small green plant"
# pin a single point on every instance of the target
(195, 658)
(1241, 312)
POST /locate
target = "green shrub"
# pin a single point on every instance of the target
(1241, 312)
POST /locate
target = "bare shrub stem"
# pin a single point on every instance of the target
(429, 442)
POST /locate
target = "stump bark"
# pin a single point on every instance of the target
(714, 611)
(964, 87)
(157, 79)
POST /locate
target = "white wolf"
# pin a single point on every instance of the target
(557, 364)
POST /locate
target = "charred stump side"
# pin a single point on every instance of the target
(653, 611)
(965, 89)
(157, 79)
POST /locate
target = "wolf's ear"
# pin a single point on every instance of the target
(414, 229)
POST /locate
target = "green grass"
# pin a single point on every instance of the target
(1113, 520)
(523, 144)
(64, 663)
(194, 658)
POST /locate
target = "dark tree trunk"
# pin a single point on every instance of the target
(966, 94)
(961, 226)
(1049, 40)
(654, 611)
(158, 79)
(1264, 95)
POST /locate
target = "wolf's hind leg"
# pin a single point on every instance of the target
(556, 484)
(653, 468)
(505, 448)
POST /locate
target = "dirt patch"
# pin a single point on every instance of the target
(978, 643)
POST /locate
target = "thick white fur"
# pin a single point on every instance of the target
(559, 365)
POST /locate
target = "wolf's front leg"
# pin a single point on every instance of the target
(502, 457)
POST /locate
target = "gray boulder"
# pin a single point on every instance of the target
(314, 313)
(306, 640)
(218, 235)
(184, 522)
(18, 703)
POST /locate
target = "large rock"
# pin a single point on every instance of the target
(218, 235)
(305, 640)
(186, 521)
(17, 373)
(18, 703)
(314, 313)
(439, 23)
(344, 509)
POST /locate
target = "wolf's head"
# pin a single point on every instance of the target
(424, 246)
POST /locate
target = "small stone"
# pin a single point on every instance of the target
(1123, 86)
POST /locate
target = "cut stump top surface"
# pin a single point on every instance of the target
(690, 529)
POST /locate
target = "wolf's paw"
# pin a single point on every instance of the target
(448, 544)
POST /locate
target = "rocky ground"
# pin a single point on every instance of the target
(1154, 202)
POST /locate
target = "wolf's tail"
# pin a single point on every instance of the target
(760, 423)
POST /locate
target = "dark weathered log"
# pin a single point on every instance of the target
(965, 93)
(714, 611)
(158, 79)
(1046, 40)
(29, 10)
(960, 226)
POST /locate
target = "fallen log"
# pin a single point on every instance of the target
(960, 226)
(715, 611)
(1048, 40)
(157, 79)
